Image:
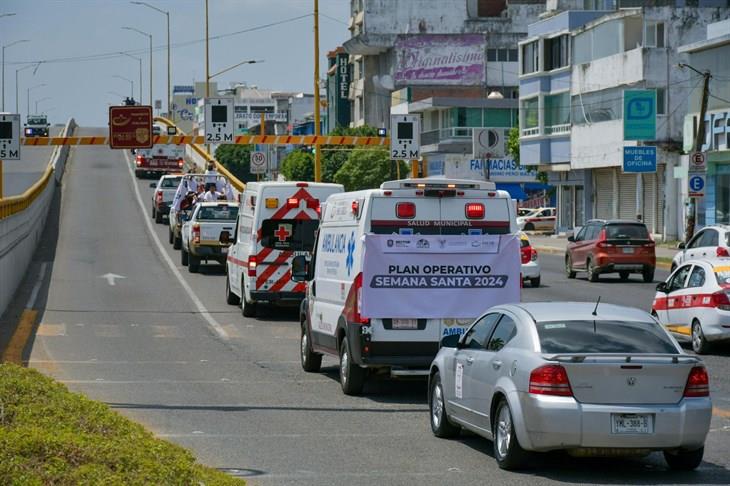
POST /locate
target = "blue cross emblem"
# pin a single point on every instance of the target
(350, 260)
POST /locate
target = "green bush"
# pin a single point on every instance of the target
(237, 159)
(367, 168)
(49, 435)
(298, 166)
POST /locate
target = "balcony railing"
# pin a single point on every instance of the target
(555, 129)
(455, 134)
(526, 132)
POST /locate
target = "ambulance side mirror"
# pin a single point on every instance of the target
(300, 269)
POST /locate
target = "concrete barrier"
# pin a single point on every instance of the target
(23, 221)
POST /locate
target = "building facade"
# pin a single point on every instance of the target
(573, 74)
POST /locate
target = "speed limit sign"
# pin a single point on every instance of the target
(258, 163)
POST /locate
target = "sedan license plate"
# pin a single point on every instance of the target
(631, 423)
(405, 324)
(628, 249)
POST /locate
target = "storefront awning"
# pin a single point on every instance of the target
(514, 189)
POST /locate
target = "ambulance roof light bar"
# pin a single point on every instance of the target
(436, 183)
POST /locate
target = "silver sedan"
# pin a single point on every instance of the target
(595, 380)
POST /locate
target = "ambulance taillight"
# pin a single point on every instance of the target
(292, 203)
(405, 210)
(474, 210)
(252, 263)
(357, 306)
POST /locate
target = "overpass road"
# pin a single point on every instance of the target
(161, 346)
(19, 175)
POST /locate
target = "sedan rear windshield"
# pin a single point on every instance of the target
(557, 337)
(626, 231)
(223, 212)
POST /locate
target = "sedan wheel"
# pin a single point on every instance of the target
(440, 425)
(592, 272)
(569, 267)
(507, 450)
(699, 343)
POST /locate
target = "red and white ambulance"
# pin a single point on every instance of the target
(276, 221)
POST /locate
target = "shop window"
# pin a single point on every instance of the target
(530, 58)
(494, 117)
(654, 34)
(490, 8)
(530, 119)
(512, 55)
(597, 107)
(491, 55)
(557, 110)
(502, 55)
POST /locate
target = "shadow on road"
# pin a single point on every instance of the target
(251, 408)
(383, 389)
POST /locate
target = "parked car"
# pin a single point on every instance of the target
(592, 379)
(165, 190)
(530, 263)
(609, 246)
(710, 241)
(541, 219)
(694, 302)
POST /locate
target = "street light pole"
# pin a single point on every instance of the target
(131, 83)
(17, 84)
(3, 67)
(207, 53)
(169, 62)
(150, 37)
(140, 73)
(317, 128)
(27, 96)
(40, 101)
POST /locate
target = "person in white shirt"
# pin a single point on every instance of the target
(210, 176)
(211, 195)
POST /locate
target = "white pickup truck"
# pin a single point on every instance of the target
(201, 234)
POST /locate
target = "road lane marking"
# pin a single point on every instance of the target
(50, 330)
(214, 324)
(718, 412)
(111, 278)
(14, 352)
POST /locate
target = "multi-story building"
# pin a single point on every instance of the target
(339, 104)
(574, 69)
(711, 54)
(435, 48)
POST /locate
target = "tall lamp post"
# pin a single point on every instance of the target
(131, 83)
(17, 85)
(139, 59)
(3, 66)
(27, 95)
(169, 81)
(150, 37)
(40, 101)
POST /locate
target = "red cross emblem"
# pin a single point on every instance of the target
(283, 233)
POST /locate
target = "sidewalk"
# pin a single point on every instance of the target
(558, 244)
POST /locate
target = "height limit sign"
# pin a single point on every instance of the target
(405, 139)
(218, 120)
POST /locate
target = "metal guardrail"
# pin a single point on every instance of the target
(15, 204)
(235, 182)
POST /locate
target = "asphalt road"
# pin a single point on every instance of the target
(19, 175)
(162, 347)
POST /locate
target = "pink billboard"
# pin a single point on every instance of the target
(440, 59)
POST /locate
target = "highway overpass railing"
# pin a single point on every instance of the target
(22, 221)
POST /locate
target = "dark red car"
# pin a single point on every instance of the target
(611, 246)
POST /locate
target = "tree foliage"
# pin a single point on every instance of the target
(236, 158)
(366, 169)
(298, 166)
(513, 150)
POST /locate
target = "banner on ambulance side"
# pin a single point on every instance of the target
(436, 277)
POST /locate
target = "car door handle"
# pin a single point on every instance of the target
(496, 364)
(469, 360)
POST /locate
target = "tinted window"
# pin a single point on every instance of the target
(695, 242)
(710, 238)
(476, 337)
(289, 234)
(217, 213)
(581, 234)
(592, 232)
(170, 182)
(679, 278)
(603, 337)
(504, 331)
(697, 278)
(622, 231)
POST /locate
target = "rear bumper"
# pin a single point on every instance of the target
(213, 252)
(163, 208)
(294, 297)
(388, 354)
(612, 262)
(530, 270)
(550, 423)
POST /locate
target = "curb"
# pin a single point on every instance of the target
(552, 250)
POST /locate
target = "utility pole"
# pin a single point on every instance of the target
(317, 128)
(170, 113)
(207, 53)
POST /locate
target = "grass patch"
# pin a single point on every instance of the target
(49, 435)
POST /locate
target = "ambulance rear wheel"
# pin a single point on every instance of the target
(311, 361)
(352, 377)
(231, 298)
(248, 309)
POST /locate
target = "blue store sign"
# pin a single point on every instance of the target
(640, 114)
(639, 159)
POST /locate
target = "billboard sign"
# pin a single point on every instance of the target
(130, 127)
(638, 160)
(440, 59)
(639, 114)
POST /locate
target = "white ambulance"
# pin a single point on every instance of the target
(275, 221)
(330, 315)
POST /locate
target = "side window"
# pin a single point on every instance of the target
(503, 333)
(710, 238)
(592, 232)
(697, 278)
(581, 234)
(476, 337)
(679, 278)
(545, 213)
(695, 242)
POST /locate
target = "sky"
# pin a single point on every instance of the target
(64, 32)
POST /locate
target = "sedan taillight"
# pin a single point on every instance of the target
(720, 300)
(722, 252)
(698, 383)
(550, 379)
